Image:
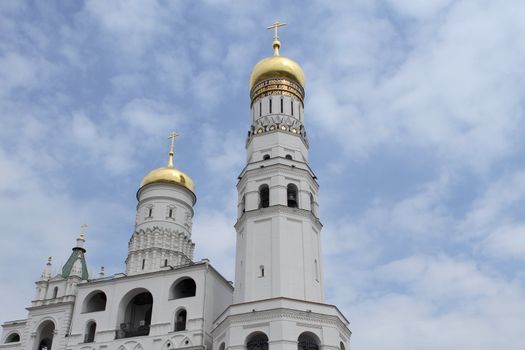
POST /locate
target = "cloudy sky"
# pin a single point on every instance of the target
(415, 114)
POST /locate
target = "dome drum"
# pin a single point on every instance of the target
(281, 86)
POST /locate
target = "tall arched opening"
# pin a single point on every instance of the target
(44, 335)
(308, 341)
(135, 311)
(257, 341)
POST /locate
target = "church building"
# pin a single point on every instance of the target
(166, 300)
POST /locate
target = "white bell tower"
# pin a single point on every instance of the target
(278, 231)
(279, 295)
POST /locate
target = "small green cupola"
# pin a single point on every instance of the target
(76, 264)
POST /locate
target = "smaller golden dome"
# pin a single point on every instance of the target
(168, 175)
(277, 67)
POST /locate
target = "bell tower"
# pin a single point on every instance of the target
(278, 231)
(279, 295)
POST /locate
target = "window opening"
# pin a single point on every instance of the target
(91, 329)
(165, 262)
(264, 196)
(307, 342)
(266, 157)
(288, 156)
(291, 104)
(13, 338)
(137, 316)
(260, 108)
(180, 320)
(270, 105)
(184, 289)
(170, 213)
(55, 292)
(282, 107)
(261, 271)
(96, 302)
(291, 190)
(143, 263)
(258, 341)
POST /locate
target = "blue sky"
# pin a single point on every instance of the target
(415, 116)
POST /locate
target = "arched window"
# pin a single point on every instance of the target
(288, 156)
(257, 341)
(222, 346)
(341, 346)
(13, 338)
(55, 292)
(291, 195)
(183, 288)
(180, 320)
(308, 341)
(91, 329)
(45, 333)
(134, 317)
(264, 196)
(266, 157)
(96, 301)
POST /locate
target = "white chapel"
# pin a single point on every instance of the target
(166, 300)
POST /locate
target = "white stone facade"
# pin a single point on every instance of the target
(165, 300)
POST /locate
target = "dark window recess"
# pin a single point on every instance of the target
(264, 196)
(291, 190)
(180, 321)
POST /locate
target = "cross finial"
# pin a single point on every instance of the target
(276, 42)
(83, 228)
(172, 136)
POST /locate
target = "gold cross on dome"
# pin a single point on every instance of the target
(83, 228)
(275, 26)
(172, 136)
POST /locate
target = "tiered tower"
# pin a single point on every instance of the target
(279, 290)
(162, 235)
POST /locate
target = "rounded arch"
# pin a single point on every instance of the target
(134, 313)
(184, 287)
(90, 331)
(308, 341)
(181, 316)
(13, 337)
(55, 292)
(95, 301)
(341, 346)
(288, 156)
(45, 333)
(256, 341)
(222, 346)
(266, 157)
(292, 195)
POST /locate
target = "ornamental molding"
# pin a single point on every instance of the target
(277, 209)
(277, 123)
(304, 318)
(277, 87)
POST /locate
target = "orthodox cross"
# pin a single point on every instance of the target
(172, 136)
(274, 26)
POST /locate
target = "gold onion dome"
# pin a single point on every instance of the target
(276, 66)
(169, 174)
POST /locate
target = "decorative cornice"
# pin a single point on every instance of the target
(278, 209)
(303, 318)
(277, 87)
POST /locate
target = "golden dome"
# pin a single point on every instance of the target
(276, 67)
(168, 175)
